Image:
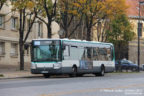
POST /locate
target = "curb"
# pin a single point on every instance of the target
(19, 77)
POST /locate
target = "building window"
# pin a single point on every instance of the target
(14, 49)
(14, 24)
(1, 21)
(2, 48)
(40, 33)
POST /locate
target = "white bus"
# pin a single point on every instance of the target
(73, 57)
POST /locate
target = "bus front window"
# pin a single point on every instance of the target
(43, 53)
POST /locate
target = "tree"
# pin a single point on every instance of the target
(110, 9)
(92, 10)
(2, 2)
(119, 34)
(47, 13)
(70, 16)
(100, 14)
(25, 8)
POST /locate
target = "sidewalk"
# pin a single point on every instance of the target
(16, 74)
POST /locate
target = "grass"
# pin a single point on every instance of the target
(1, 75)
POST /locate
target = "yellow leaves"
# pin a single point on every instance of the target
(30, 5)
(43, 14)
(21, 4)
(71, 7)
(76, 5)
(108, 12)
(105, 8)
(85, 11)
(116, 5)
(97, 8)
(82, 1)
(74, 12)
(113, 7)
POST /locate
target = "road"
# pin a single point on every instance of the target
(112, 84)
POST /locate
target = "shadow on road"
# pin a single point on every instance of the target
(59, 76)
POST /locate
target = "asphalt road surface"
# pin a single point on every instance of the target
(112, 84)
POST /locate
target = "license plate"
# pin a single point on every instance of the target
(44, 72)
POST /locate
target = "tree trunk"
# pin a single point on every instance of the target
(21, 50)
(21, 43)
(66, 32)
(49, 33)
(89, 34)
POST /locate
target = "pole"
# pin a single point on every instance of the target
(139, 29)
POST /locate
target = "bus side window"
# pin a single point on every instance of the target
(89, 53)
(102, 54)
(95, 54)
(83, 54)
(76, 53)
(66, 52)
(99, 52)
(109, 54)
(105, 54)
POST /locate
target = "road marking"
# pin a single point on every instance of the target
(92, 90)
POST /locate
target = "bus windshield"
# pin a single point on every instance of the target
(46, 52)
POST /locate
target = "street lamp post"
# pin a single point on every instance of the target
(139, 31)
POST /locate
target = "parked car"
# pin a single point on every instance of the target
(142, 67)
(125, 65)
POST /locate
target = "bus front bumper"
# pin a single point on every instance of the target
(46, 71)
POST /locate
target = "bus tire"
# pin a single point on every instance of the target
(102, 72)
(46, 75)
(74, 71)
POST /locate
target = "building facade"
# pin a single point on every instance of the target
(9, 38)
(134, 17)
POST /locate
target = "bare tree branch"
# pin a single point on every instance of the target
(75, 27)
(46, 9)
(54, 8)
(41, 20)
(30, 27)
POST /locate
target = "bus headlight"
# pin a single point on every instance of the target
(57, 65)
(33, 66)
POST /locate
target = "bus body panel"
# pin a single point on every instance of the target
(70, 63)
(109, 65)
(66, 67)
(76, 49)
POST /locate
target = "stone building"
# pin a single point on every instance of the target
(133, 14)
(9, 38)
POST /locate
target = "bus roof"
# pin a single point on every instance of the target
(72, 40)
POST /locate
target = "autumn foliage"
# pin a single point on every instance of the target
(97, 17)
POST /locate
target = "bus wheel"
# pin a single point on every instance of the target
(46, 75)
(102, 72)
(74, 72)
